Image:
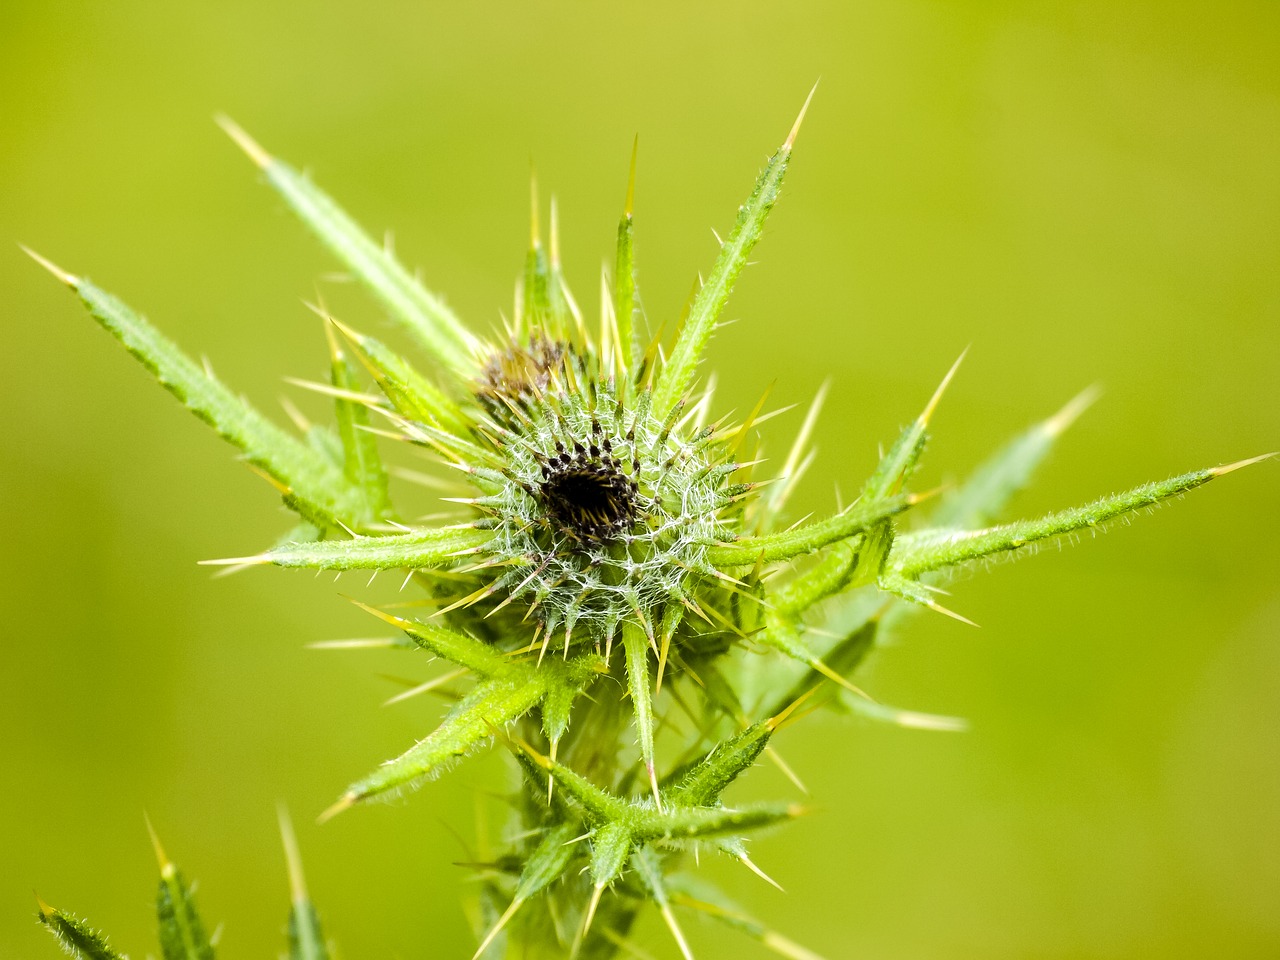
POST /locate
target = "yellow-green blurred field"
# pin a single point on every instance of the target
(1080, 192)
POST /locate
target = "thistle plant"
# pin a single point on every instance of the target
(626, 605)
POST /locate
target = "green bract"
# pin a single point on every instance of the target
(613, 560)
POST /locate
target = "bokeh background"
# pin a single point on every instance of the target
(1082, 192)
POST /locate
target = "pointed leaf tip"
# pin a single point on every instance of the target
(44, 908)
(345, 802)
(1064, 418)
(754, 868)
(71, 280)
(776, 721)
(497, 928)
(293, 858)
(242, 140)
(1241, 464)
(929, 409)
(161, 857)
(795, 127)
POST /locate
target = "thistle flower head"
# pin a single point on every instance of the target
(609, 518)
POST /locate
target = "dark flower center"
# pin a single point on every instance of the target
(588, 495)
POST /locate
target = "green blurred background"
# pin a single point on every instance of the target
(1081, 191)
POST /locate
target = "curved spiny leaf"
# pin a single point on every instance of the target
(708, 778)
(420, 312)
(490, 705)
(677, 374)
(306, 938)
(77, 938)
(413, 395)
(310, 482)
(635, 644)
(983, 496)
(361, 462)
(182, 933)
(920, 555)
(807, 537)
(452, 645)
(420, 549)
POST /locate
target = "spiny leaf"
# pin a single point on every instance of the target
(896, 466)
(565, 683)
(362, 463)
(311, 484)
(710, 300)
(451, 645)
(829, 574)
(808, 537)
(306, 938)
(543, 867)
(610, 848)
(983, 496)
(422, 313)
(695, 823)
(182, 934)
(786, 640)
(891, 473)
(644, 821)
(420, 549)
(76, 937)
(707, 779)
(547, 861)
(490, 904)
(533, 301)
(492, 704)
(624, 276)
(911, 559)
(412, 394)
(599, 805)
(636, 645)
(987, 491)
(843, 659)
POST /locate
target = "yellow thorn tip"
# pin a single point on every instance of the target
(939, 608)
(243, 140)
(293, 859)
(161, 858)
(1071, 412)
(676, 932)
(776, 721)
(260, 560)
(653, 784)
(497, 928)
(591, 909)
(345, 802)
(70, 279)
(1241, 464)
(381, 614)
(795, 128)
(942, 388)
(747, 862)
